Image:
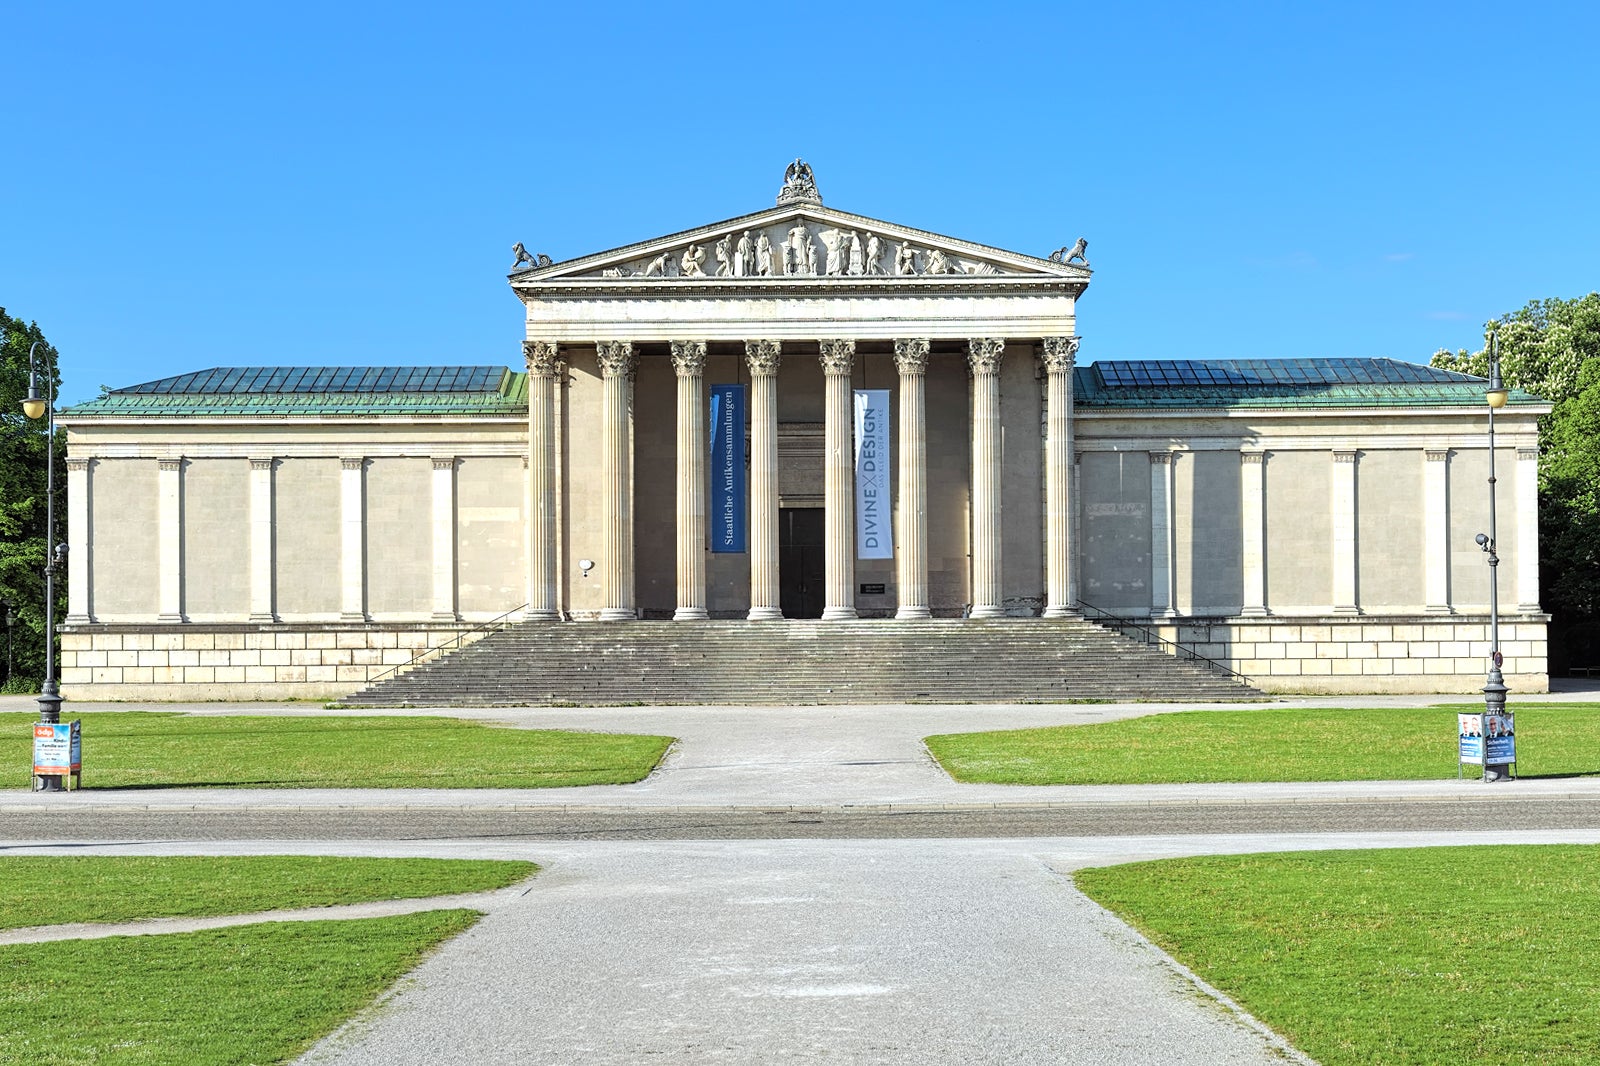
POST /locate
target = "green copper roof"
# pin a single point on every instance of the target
(320, 390)
(1277, 383)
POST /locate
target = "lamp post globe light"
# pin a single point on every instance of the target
(36, 406)
(1494, 690)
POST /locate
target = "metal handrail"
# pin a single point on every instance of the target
(1150, 636)
(496, 623)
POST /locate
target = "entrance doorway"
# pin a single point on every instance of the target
(800, 562)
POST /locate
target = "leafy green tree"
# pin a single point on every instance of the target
(1551, 348)
(23, 450)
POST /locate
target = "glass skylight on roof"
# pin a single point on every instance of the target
(280, 380)
(1304, 373)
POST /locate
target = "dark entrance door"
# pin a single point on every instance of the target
(800, 562)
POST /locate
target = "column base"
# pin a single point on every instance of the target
(1059, 611)
(352, 616)
(445, 616)
(1252, 612)
(81, 620)
(913, 613)
(765, 614)
(541, 614)
(1434, 608)
(838, 614)
(690, 614)
(265, 619)
(170, 618)
(1522, 608)
(987, 610)
(617, 614)
(1346, 609)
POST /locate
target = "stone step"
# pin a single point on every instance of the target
(738, 662)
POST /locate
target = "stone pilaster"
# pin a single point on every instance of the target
(1253, 532)
(80, 549)
(616, 482)
(689, 362)
(444, 538)
(1436, 530)
(1059, 355)
(1342, 508)
(838, 497)
(1527, 525)
(352, 540)
(763, 358)
(911, 514)
(169, 523)
(1162, 557)
(263, 577)
(544, 369)
(983, 357)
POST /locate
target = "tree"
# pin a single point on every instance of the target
(1551, 348)
(23, 451)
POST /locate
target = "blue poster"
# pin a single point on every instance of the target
(727, 509)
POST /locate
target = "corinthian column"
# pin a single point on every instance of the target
(616, 500)
(763, 358)
(1059, 356)
(689, 360)
(543, 369)
(911, 512)
(983, 356)
(839, 549)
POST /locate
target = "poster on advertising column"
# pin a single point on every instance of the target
(727, 504)
(874, 521)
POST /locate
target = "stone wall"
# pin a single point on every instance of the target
(242, 662)
(1402, 654)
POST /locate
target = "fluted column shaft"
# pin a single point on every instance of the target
(543, 590)
(1059, 354)
(764, 357)
(1161, 554)
(1253, 532)
(78, 536)
(983, 357)
(838, 493)
(911, 511)
(616, 500)
(689, 361)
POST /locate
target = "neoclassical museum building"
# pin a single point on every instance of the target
(797, 413)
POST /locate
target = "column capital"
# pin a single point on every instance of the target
(541, 358)
(763, 357)
(911, 355)
(616, 358)
(1528, 454)
(446, 462)
(351, 463)
(689, 358)
(838, 355)
(171, 464)
(983, 354)
(1436, 455)
(1344, 455)
(1161, 458)
(1059, 354)
(78, 465)
(259, 463)
(1253, 458)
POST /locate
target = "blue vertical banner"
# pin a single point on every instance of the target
(727, 517)
(874, 527)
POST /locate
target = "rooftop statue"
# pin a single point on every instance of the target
(799, 185)
(1064, 255)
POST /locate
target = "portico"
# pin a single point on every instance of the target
(852, 304)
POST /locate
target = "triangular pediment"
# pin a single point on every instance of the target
(801, 244)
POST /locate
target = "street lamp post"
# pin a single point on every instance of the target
(36, 406)
(10, 620)
(1494, 690)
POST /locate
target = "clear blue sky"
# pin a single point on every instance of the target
(195, 185)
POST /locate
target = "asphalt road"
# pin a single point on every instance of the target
(756, 823)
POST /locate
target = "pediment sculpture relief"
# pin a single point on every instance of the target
(801, 249)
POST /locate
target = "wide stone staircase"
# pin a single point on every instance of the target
(802, 662)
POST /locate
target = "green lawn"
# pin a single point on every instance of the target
(1410, 956)
(40, 890)
(151, 749)
(1266, 744)
(226, 997)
